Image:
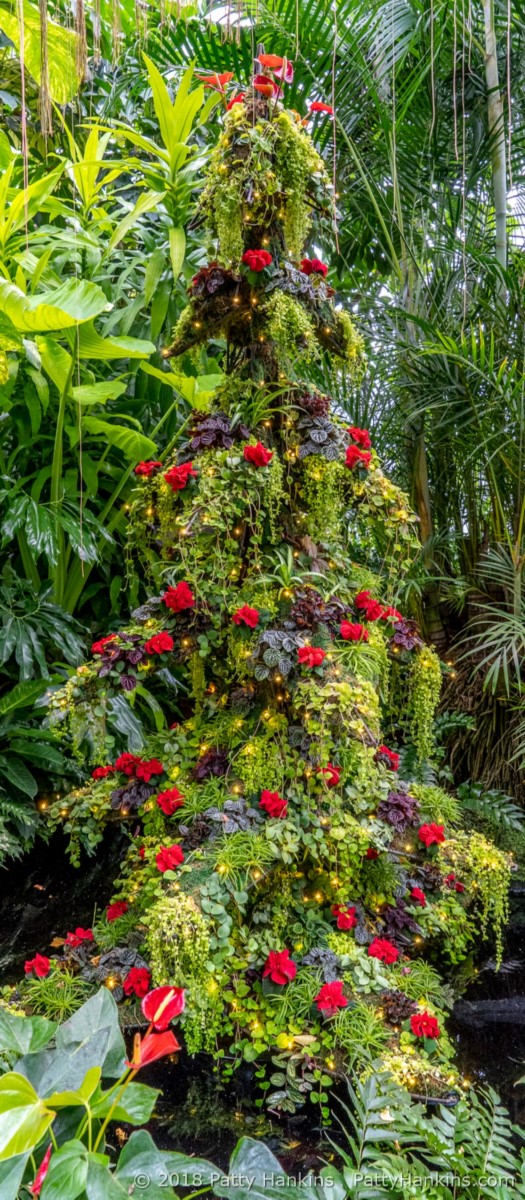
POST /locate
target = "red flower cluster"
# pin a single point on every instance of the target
(169, 857)
(346, 916)
(257, 260)
(139, 768)
(432, 834)
(418, 897)
(360, 436)
(159, 643)
(318, 106)
(330, 998)
(98, 647)
(248, 616)
(384, 950)
(162, 1005)
(388, 757)
(39, 966)
(179, 597)
(137, 982)
(147, 468)
(311, 656)
(332, 775)
(353, 632)
(280, 967)
(257, 455)
(371, 608)
(102, 772)
(116, 910)
(126, 763)
(357, 458)
(177, 477)
(170, 801)
(424, 1026)
(74, 940)
(390, 613)
(372, 853)
(273, 804)
(452, 882)
(314, 266)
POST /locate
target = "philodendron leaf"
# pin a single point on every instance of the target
(134, 445)
(24, 1034)
(67, 1172)
(74, 302)
(91, 345)
(24, 1117)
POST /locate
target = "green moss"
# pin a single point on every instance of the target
(290, 329)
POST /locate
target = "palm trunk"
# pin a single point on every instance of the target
(496, 123)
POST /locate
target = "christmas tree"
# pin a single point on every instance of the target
(279, 869)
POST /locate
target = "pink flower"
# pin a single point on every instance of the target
(137, 982)
(179, 597)
(346, 916)
(353, 632)
(257, 455)
(273, 804)
(116, 910)
(159, 643)
(36, 1187)
(145, 770)
(360, 436)
(311, 656)
(280, 967)
(257, 260)
(169, 857)
(384, 950)
(177, 477)
(162, 1005)
(170, 801)
(332, 775)
(39, 966)
(147, 468)
(356, 457)
(431, 834)
(330, 998)
(313, 266)
(418, 897)
(102, 772)
(74, 940)
(248, 616)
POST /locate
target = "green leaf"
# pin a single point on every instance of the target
(146, 201)
(98, 393)
(91, 345)
(64, 79)
(55, 360)
(136, 1105)
(153, 274)
(40, 531)
(23, 695)
(74, 302)
(140, 1156)
(135, 446)
(24, 1034)
(18, 775)
(81, 1094)
(24, 1118)
(67, 1172)
(177, 240)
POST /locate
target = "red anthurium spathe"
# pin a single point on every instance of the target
(424, 1025)
(281, 67)
(238, 99)
(371, 608)
(314, 266)
(116, 910)
(102, 772)
(99, 647)
(75, 939)
(170, 801)
(332, 775)
(137, 982)
(151, 1047)
(360, 436)
(257, 455)
(257, 260)
(345, 916)
(311, 656)
(279, 967)
(246, 616)
(169, 857)
(331, 998)
(177, 477)
(162, 1005)
(145, 770)
(389, 758)
(273, 804)
(384, 950)
(159, 643)
(179, 597)
(39, 966)
(265, 86)
(36, 1187)
(418, 897)
(147, 468)
(352, 631)
(431, 834)
(317, 106)
(216, 81)
(357, 458)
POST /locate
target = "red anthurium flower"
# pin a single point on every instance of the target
(247, 616)
(127, 763)
(372, 853)
(353, 632)
(116, 910)
(74, 940)
(318, 106)
(388, 757)
(279, 66)
(102, 772)
(177, 477)
(314, 266)
(235, 100)
(371, 608)
(424, 1025)
(258, 455)
(155, 1045)
(39, 966)
(331, 998)
(431, 834)
(346, 916)
(356, 457)
(98, 647)
(256, 260)
(382, 949)
(391, 614)
(179, 597)
(265, 86)
(159, 643)
(162, 1005)
(36, 1187)
(452, 882)
(360, 436)
(418, 897)
(170, 801)
(147, 468)
(146, 769)
(332, 775)
(169, 857)
(216, 81)
(137, 982)
(311, 656)
(280, 967)
(273, 804)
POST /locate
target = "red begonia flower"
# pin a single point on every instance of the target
(389, 758)
(177, 477)
(99, 647)
(311, 656)
(102, 772)
(330, 998)
(279, 967)
(314, 266)
(424, 1025)
(352, 631)
(273, 804)
(137, 982)
(332, 775)
(248, 616)
(147, 468)
(116, 910)
(169, 857)
(257, 455)
(150, 767)
(74, 940)
(179, 597)
(346, 916)
(418, 897)
(384, 950)
(257, 260)
(431, 834)
(361, 436)
(39, 966)
(356, 457)
(159, 643)
(170, 801)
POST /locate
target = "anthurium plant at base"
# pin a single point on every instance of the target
(278, 869)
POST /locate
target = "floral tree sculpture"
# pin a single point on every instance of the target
(278, 868)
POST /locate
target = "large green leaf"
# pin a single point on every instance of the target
(11, 1175)
(92, 345)
(16, 772)
(140, 1156)
(67, 1172)
(145, 203)
(23, 695)
(24, 1118)
(74, 302)
(64, 79)
(196, 390)
(24, 1034)
(134, 445)
(177, 239)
